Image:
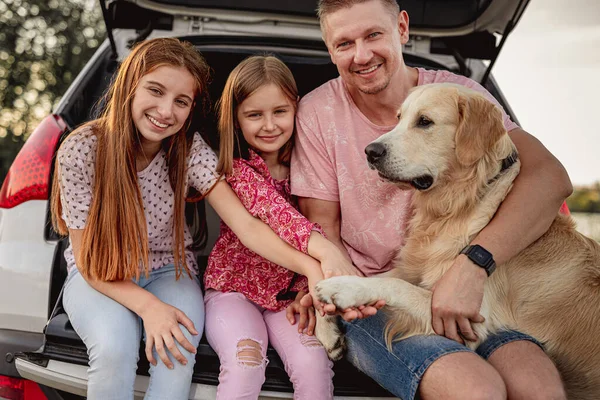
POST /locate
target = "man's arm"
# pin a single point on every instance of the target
(529, 209)
(525, 215)
(328, 215)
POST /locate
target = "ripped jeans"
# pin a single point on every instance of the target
(239, 331)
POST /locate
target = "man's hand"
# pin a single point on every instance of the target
(305, 314)
(457, 299)
(349, 314)
(360, 312)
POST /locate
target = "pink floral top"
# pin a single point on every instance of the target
(232, 267)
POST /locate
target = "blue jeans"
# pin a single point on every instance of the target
(112, 335)
(401, 370)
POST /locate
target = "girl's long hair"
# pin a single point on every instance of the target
(243, 81)
(115, 237)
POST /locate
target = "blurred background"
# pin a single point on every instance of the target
(548, 70)
(43, 46)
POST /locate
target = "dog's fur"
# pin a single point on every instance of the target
(551, 290)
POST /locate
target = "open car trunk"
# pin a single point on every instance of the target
(464, 29)
(62, 361)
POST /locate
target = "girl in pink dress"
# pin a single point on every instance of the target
(247, 296)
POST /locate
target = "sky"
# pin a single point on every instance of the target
(549, 71)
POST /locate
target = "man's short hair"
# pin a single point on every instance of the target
(326, 7)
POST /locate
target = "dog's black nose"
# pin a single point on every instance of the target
(374, 152)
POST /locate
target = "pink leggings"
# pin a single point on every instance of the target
(239, 331)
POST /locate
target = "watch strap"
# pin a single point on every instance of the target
(480, 257)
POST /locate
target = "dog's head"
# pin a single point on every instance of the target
(441, 127)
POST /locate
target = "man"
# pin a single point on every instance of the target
(366, 217)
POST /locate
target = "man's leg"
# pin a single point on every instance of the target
(527, 371)
(435, 366)
(461, 376)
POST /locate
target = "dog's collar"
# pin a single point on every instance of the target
(506, 164)
(509, 161)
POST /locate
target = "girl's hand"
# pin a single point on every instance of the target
(306, 313)
(334, 262)
(338, 265)
(161, 322)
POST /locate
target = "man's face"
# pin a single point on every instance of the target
(365, 43)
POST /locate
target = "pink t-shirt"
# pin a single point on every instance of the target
(77, 160)
(329, 163)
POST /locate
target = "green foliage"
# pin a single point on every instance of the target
(43, 45)
(585, 199)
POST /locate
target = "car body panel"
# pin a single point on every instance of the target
(432, 18)
(25, 267)
(72, 378)
(12, 344)
(465, 29)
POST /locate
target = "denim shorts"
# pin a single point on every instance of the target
(400, 371)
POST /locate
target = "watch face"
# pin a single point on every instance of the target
(481, 255)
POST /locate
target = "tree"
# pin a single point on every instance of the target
(585, 199)
(43, 45)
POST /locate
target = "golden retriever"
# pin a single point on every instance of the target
(450, 144)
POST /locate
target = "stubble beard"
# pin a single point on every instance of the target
(376, 89)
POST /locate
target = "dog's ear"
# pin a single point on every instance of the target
(480, 127)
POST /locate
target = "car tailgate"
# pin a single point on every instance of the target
(63, 361)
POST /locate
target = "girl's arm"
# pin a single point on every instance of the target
(259, 237)
(262, 200)
(161, 321)
(252, 232)
(333, 261)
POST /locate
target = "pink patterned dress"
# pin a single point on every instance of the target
(232, 267)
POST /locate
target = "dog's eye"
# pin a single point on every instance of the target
(424, 122)
(398, 117)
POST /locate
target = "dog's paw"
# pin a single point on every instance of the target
(330, 336)
(345, 291)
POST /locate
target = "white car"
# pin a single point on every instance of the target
(41, 356)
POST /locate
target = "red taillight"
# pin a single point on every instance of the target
(29, 175)
(564, 209)
(20, 389)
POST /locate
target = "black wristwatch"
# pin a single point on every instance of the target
(480, 257)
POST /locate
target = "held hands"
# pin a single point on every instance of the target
(306, 314)
(161, 322)
(457, 299)
(336, 264)
(348, 314)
